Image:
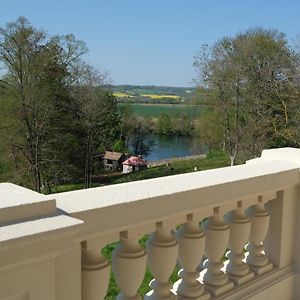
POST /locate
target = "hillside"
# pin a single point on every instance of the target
(153, 94)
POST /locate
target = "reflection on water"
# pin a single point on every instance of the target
(171, 146)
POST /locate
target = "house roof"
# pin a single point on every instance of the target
(112, 155)
(134, 161)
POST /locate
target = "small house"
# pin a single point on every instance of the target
(113, 160)
(133, 163)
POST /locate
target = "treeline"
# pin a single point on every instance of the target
(57, 114)
(150, 100)
(179, 124)
(254, 103)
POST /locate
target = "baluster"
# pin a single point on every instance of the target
(217, 236)
(191, 241)
(239, 225)
(162, 250)
(129, 266)
(260, 219)
(94, 274)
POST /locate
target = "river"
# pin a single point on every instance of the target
(171, 146)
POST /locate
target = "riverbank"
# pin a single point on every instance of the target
(161, 162)
(211, 161)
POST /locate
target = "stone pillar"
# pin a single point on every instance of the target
(162, 250)
(239, 225)
(217, 236)
(191, 241)
(129, 266)
(260, 219)
(94, 274)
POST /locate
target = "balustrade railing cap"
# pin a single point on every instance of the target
(17, 203)
(286, 154)
(135, 192)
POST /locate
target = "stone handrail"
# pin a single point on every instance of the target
(61, 235)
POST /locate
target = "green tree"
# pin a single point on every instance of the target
(164, 124)
(182, 124)
(37, 70)
(140, 143)
(208, 130)
(98, 125)
(253, 79)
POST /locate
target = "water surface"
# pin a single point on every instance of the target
(171, 146)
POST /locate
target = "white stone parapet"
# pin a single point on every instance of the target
(50, 246)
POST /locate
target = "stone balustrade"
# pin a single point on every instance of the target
(232, 232)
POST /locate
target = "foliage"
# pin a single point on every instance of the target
(55, 110)
(180, 124)
(154, 110)
(254, 89)
(98, 122)
(209, 130)
(34, 80)
(135, 132)
(139, 142)
(164, 124)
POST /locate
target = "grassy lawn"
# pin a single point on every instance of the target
(212, 161)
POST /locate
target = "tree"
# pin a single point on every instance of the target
(164, 124)
(252, 76)
(37, 71)
(98, 120)
(182, 124)
(140, 142)
(208, 130)
(128, 121)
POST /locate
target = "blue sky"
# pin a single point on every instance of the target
(152, 42)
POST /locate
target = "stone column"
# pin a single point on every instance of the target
(162, 250)
(129, 266)
(191, 241)
(239, 225)
(217, 236)
(94, 274)
(260, 219)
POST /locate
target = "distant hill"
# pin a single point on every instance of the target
(153, 94)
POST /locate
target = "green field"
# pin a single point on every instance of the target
(154, 110)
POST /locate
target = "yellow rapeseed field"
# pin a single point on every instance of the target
(119, 94)
(153, 96)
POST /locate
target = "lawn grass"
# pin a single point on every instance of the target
(212, 161)
(216, 159)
